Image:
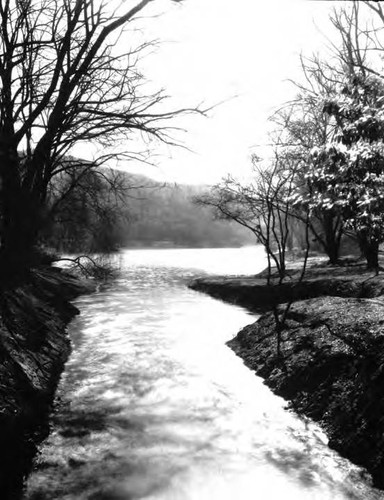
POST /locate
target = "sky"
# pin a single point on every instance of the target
(241, 53)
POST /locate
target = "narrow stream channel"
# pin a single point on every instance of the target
(154, 406)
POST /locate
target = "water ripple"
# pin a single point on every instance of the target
(154, 406)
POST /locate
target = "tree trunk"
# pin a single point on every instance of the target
(333, 252)
(372, 256)
(370, 250)
(18, 238)
(19, 220)
(331, 240)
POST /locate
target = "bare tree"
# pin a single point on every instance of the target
(265, 207)
(262, 206)
(63, 81)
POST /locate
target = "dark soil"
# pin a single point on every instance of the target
(33, 349)
(320, 279)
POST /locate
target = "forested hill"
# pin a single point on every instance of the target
(165, 215)
(140, 212)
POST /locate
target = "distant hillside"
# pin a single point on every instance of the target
(165, 216)
(89, 217)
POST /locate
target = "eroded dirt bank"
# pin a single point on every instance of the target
(331, 367)
(33, 349)
(254, 293)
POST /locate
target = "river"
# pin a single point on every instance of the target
(153, 405)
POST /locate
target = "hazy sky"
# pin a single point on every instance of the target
(217, 49)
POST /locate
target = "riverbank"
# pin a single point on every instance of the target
(33, 348)
(331, 366)
(320, 279)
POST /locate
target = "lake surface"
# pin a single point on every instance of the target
(153, 405)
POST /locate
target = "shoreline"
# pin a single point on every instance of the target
(331, 367)
(34, 347)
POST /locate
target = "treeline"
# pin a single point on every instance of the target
(166, 215)
(108, 209)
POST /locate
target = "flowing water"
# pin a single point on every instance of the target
(153, 405)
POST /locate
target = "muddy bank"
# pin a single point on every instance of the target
(33, 349)
(255, 294)
(331, 368)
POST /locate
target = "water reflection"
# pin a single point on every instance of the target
(154, 406)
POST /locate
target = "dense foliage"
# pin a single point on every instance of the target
(348, 172)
